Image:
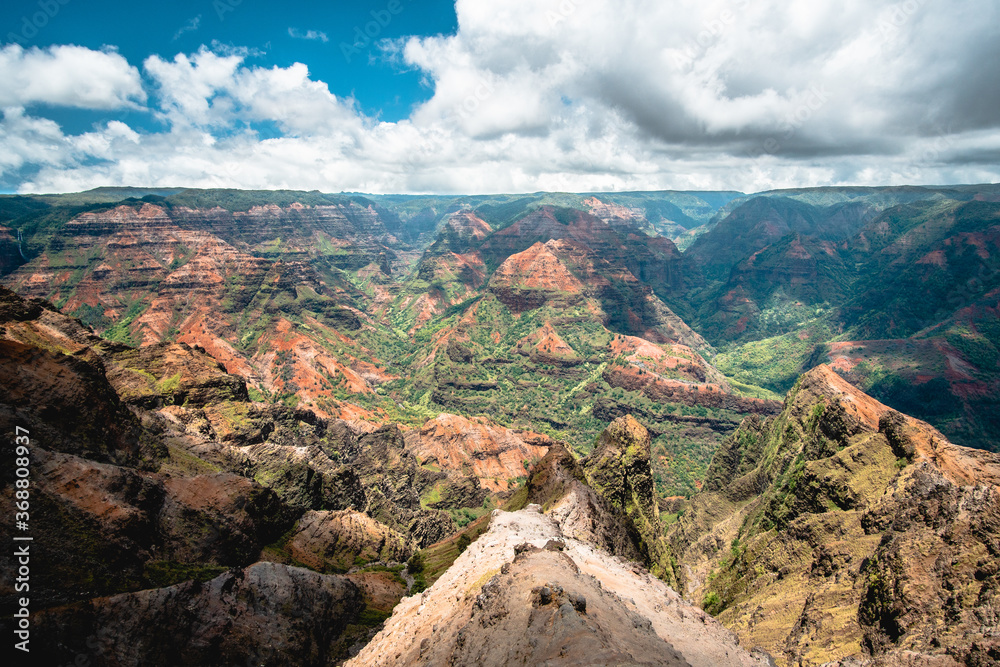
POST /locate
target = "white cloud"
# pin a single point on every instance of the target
(71, 76)
(581, 95)
(209, 90)
(191, 26)
(308, 34)
(187, 87)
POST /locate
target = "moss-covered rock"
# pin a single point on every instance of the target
(619, 470)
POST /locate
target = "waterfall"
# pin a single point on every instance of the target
(19, 245)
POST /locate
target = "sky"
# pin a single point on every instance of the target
(487, 96)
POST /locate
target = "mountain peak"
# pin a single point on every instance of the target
(619, 468)
(529, 279)
(841, 509)
(467, 225)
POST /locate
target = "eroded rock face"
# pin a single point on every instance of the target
(158, 470)
(336, 541)
(56, 383)
(107, 528)
(316, 464)
(843, 529)
(496, 456)
(558, 484)
(527, 593)
(619, 471)
(265, 614)
(173, 373)
(226, 282)
(545, 346)
(530, 279)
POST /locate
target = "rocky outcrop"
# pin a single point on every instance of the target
(461, 231)
(184, 476)
(173, 374)
(559, 485)
(611, 213)
(615, 250)
(533, 278)
(265, 614)
(312, 463)
(337, 541)
(546, 347)
(526, 593)
(659, 388)
(58, 388)
(494, 455)
(841, 529)
(107, 528)
(619, 471)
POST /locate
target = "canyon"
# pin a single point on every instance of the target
(631, 428)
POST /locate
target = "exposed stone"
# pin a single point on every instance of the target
(619, 470)
(503, 604)
(337, 541)
(266, 614)
(843, 530)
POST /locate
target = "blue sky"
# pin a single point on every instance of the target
(139, 29)
(478, 96)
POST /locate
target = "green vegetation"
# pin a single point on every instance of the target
(774, 363)
(119, 332)
(712, 603)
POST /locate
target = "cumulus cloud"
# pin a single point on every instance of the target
(71, 76)
(216, 91)
(578, 95)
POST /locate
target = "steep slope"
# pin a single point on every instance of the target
(927, 260)
(450, 271)
(150, 467)
(495, 455)
(526, 593)
(337, 541)
(270, 291)
(760, 221)
(904, 308)
(539, 348)
(562, 273)
(777, 288)
(265, 614)
(842, 528)
(619, 471)
(533, 278)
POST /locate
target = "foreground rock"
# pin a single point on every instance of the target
(526, 593)
(266, 614)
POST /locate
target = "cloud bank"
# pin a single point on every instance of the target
(529, 95)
